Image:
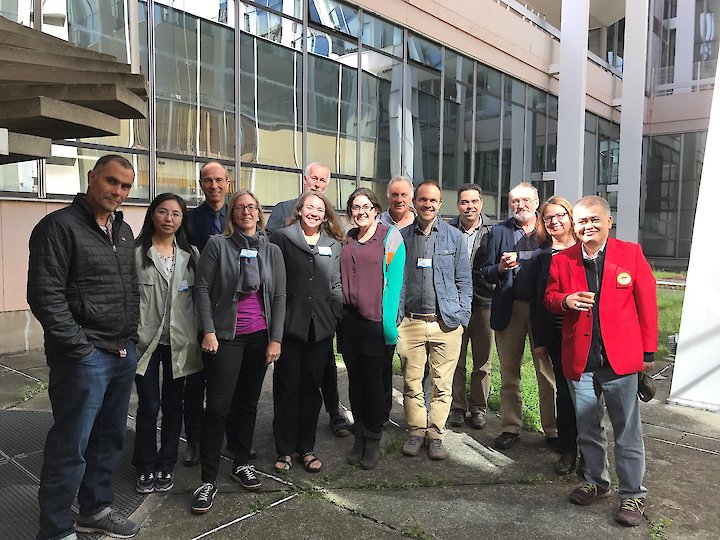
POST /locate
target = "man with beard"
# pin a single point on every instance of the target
(510, 245)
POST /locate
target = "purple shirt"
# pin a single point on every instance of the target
(250, 314)
(361, 269)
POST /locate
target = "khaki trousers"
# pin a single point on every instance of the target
(510, 345)
(418, 343)
(480, 335)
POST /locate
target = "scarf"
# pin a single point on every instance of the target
(252, 272)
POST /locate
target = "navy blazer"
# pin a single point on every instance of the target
(500, 240)
(541, 320)
(281, 212)
(201, 219)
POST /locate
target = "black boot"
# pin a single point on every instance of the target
(358, 449)
(372, 450)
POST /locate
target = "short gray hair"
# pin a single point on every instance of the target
(524, 185)
(306, 173)
(396, 179)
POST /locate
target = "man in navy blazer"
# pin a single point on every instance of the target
(510, 245)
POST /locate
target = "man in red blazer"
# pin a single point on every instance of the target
(606, 291)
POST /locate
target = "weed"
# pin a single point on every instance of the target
(536, 478)
(257, 505)
(378, 484)
(30, 391)
(417, 533)
(431, 480)
(393, 444)
(659, 528)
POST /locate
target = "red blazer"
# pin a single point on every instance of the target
(628, 308)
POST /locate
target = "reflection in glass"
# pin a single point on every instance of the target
(217, 91)
(457, 134)
(93, 24)
(335, 15)
(19, 177)
(608, 151)
(270, 26)
(513, 141)
(661, 201)
(287, 7)
(179, 177)
(270, 186)
(382, 35)
(422, 136)
(487, 147)
(424, 51)
(66, 171)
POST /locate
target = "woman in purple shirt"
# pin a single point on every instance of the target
(371, 267)
(240, 297)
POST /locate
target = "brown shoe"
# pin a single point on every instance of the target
(588, 493)
(478, 420)
(413, 445)
(630, 512)
(437, 450)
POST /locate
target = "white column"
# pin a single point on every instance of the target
(631, 120)
(571, 102)
(696, 376)
(684, 46)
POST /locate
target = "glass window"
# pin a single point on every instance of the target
(335, 15)
(270, 186)
(19, 177)
(382, 35)
(458, 68)
(705, 54)
(293, 8)
(457, 135)
(270, 26)
(98, 25)
(608, 151)
(514, 149)
(661, 201)
(590, 162)
(424, 51)
(271, 103)
(489, 81)
(217, 91)
(422, 135)
(180, 177)
(381, 115)
(487, 148)
(66, 171)
(693, 154)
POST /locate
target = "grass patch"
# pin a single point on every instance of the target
(393, 444)
(658, 529)
(29, 391)
(432, 480)
(257, 505)
(670, 303)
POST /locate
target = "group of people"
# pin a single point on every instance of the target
(204, 300)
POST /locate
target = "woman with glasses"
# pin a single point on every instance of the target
(310, 245)
(371, 265)
(554, 232)
(240, 296)
(168, 338)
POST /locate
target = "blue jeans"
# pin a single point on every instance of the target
(89, 399)
(620, 397)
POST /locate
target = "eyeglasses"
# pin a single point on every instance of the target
(163, 213)
(240, 208)
(364, 207)
(524, 200)
(559, 216)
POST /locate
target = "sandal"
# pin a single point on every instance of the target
(306, 463)
(283, 464)
(339, 425)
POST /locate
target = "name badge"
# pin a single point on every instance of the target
(248, 254)
(424, 263)
(525, 255)
(326, 251)
(183, 286)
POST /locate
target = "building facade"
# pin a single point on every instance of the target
(453, 91)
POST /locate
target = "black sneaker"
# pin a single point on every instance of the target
(203, 498)
(146, 483)
(245, 474)
(110, 523)
(164, 481)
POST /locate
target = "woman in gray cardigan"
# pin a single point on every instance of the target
(311, 246)
(240, 297)
(168, 337)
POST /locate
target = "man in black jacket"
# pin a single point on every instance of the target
(474, 226)
(82, 287)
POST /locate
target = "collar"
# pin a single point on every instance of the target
(469, 231)
(597, 253)
(206, 208)
(418, 230)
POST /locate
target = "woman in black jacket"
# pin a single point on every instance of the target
(311, 246)
(554, 232)
(240, 298)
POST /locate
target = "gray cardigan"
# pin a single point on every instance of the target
(217, 278)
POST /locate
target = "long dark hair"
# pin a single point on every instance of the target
(369, 194)
(182, 235)
(331, 223)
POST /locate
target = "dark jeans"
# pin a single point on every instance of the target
(329, 385)
(387, 375)
(296, 394)
(146, 457)
(566, 425)
(89, 399)
(194, 400)
(367, 389)
(237, 369)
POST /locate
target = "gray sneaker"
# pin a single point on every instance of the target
(437, 450)
(412, 445)
(108, 522)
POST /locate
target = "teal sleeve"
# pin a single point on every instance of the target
(393, 280)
